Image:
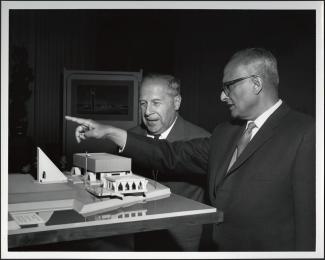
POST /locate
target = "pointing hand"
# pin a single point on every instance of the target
(91, 129)
(87, 128)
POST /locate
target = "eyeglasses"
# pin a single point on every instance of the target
(226, 85)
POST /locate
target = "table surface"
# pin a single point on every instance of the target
(58, 225)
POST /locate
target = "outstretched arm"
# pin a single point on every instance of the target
(177, 157)
(191, 156)
(90, 129)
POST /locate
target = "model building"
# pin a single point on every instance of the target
(106, 174)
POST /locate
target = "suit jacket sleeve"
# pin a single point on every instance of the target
(304, 192)
(177, 157)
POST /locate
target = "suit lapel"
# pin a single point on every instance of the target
(140, 130)
(177, 130)
(265, 133)
(261, 137)
(228, 153)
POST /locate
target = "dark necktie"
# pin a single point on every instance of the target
(155, 171)
(156, 137)
(246, 137)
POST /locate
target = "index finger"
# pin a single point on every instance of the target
(78, 120)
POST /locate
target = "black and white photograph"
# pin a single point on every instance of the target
(162, 129)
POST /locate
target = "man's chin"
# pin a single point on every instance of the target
(233, 114)
(153, 131)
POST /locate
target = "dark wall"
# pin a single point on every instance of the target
(208, 40)
(192, 44)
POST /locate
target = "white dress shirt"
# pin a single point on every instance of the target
(162, 135)
(262, 118)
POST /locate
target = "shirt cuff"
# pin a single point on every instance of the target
(121, 149)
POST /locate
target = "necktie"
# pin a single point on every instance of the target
(156, 137)
(246, 137)
(155, 171)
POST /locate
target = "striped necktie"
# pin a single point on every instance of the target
(243, 141)
(245, 138)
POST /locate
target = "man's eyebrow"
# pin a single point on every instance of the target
(155, 99)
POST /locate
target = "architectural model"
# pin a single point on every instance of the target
(47, 172)
(98, 182)
(108, 175)
(122, 215)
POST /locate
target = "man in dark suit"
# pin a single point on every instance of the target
(265, 186)
(160, 100)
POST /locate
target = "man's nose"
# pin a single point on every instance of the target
(147, 110)
(223, 96)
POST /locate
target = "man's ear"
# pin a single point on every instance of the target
(258, 85)
(177, 102)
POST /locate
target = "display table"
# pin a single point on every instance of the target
(64, 223)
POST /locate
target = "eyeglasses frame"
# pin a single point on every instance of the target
(226, 85)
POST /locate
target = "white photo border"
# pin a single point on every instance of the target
(318, 6)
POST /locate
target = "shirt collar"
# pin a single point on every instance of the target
(263, 117)
(164, 134)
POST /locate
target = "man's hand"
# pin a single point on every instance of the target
(90, 129)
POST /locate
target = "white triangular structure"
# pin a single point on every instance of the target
(47, 172)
